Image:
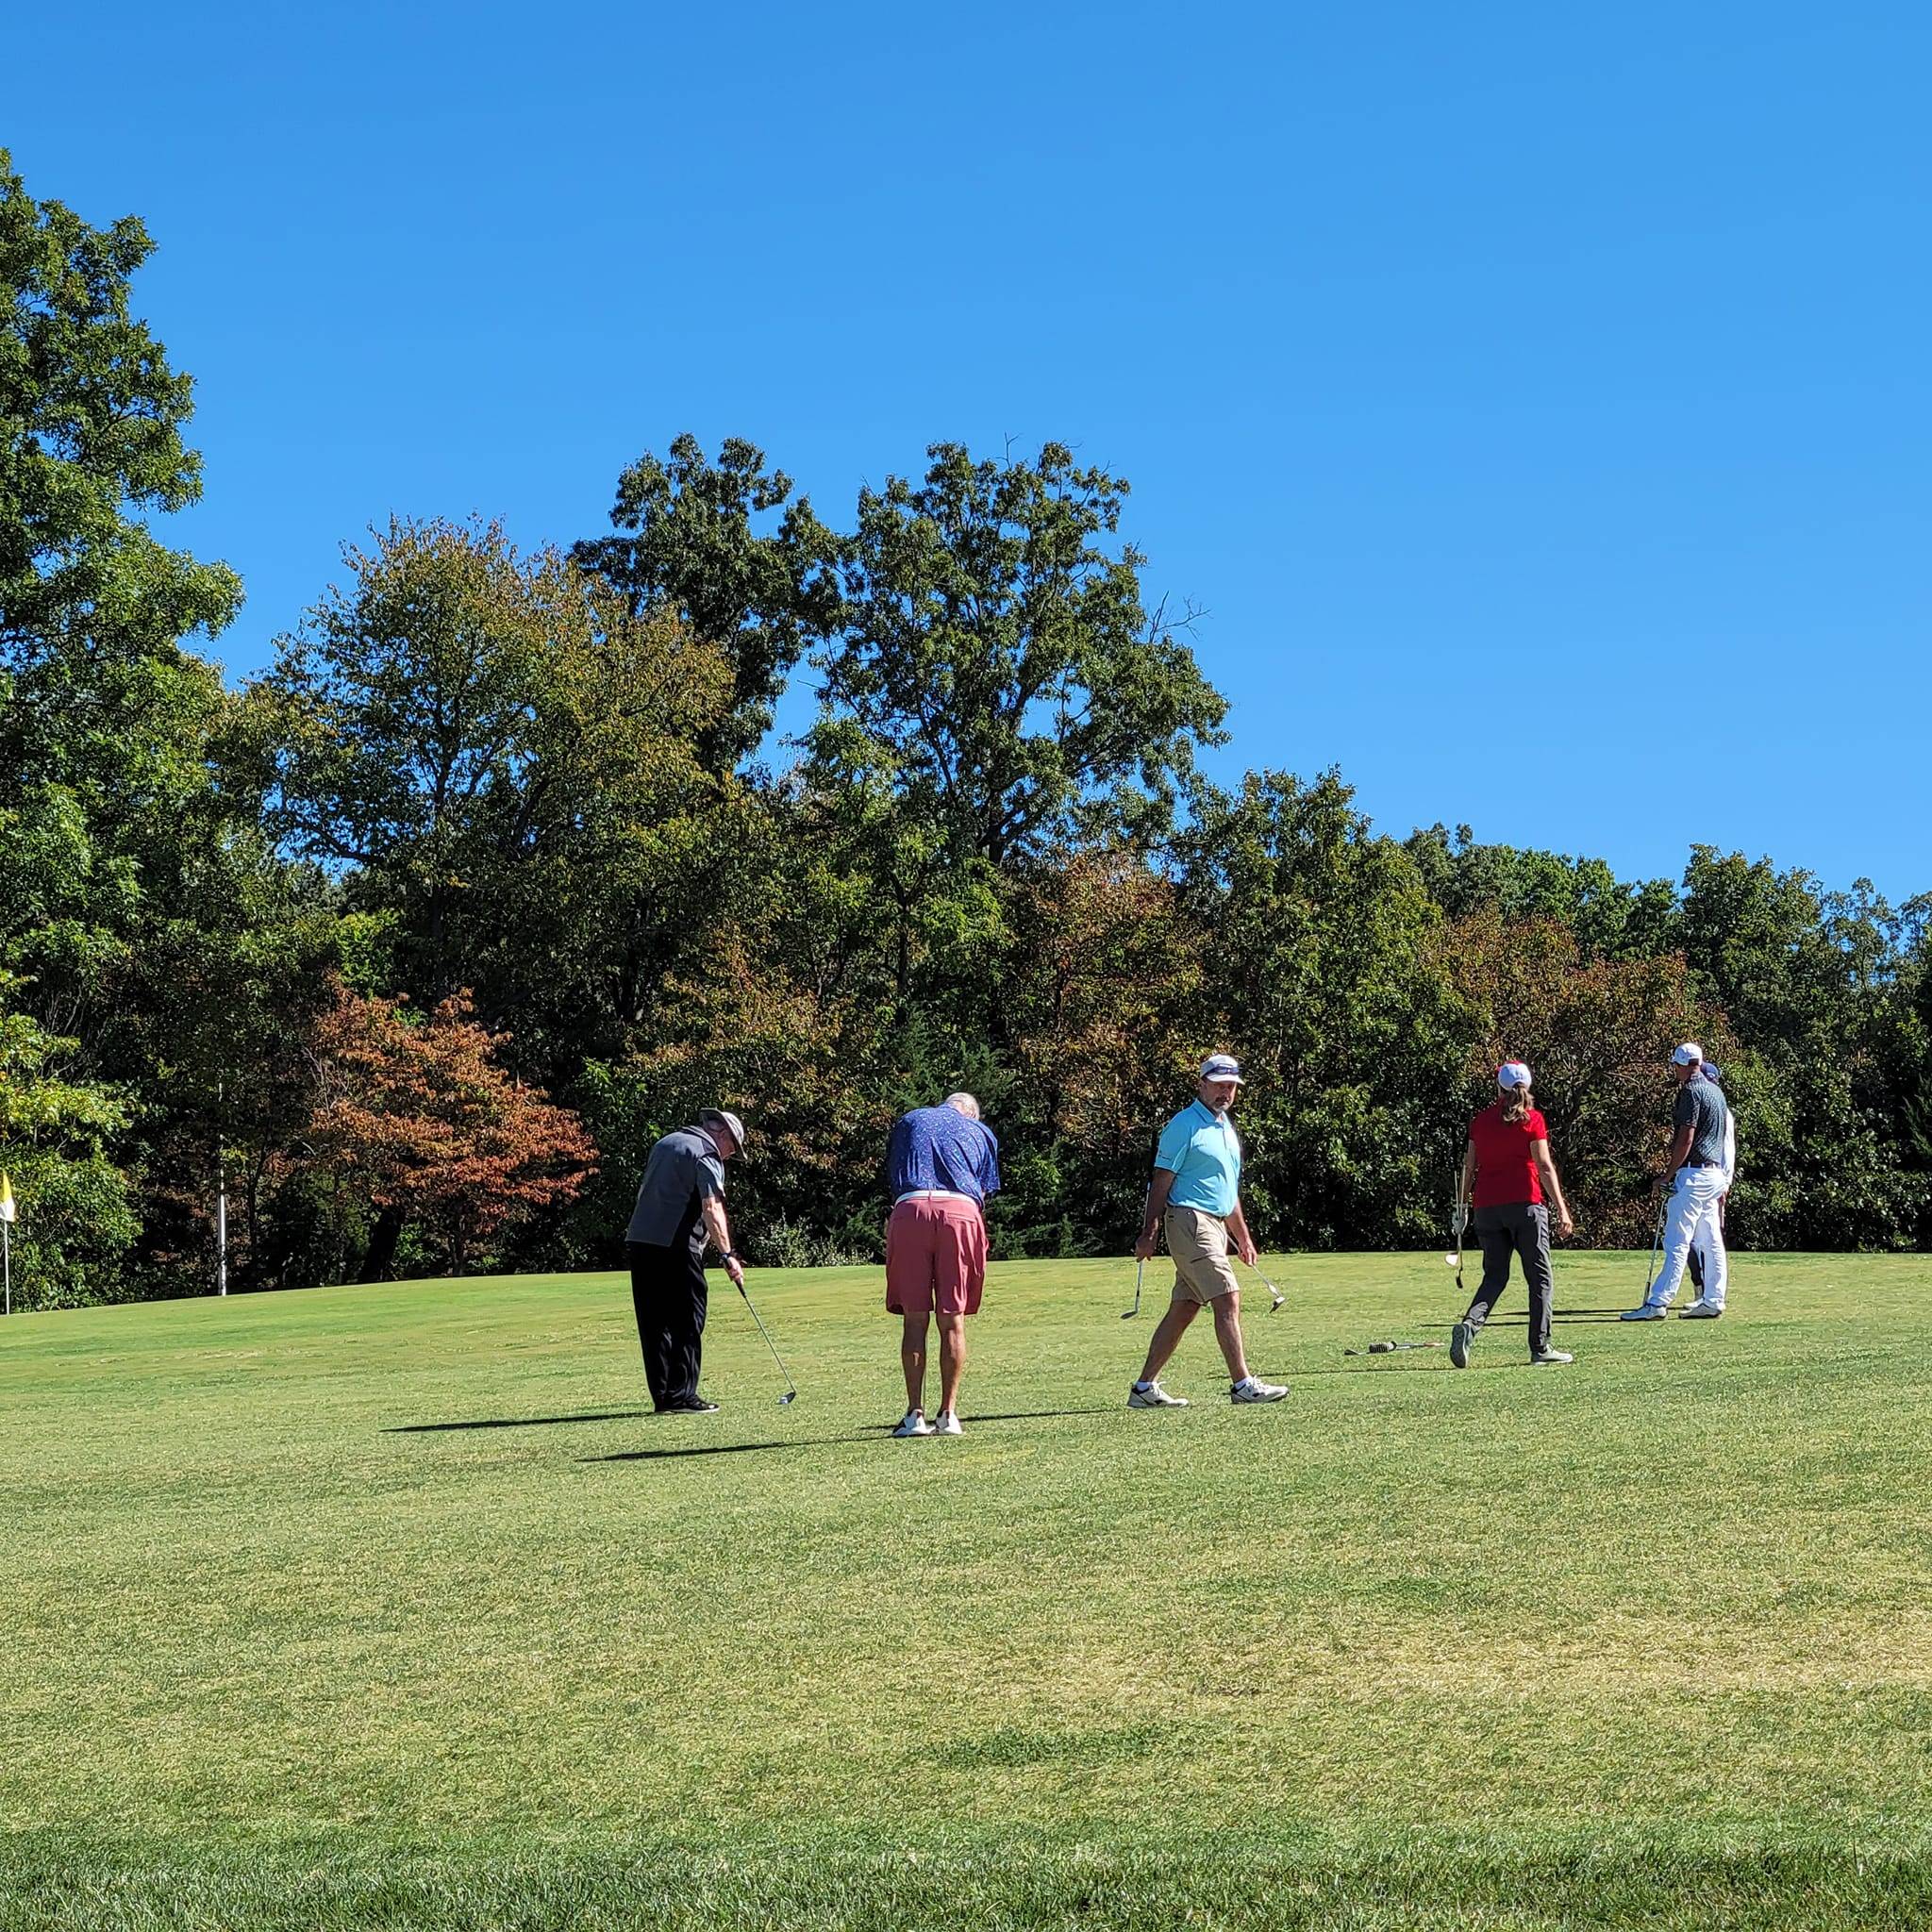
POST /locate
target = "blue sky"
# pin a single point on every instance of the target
(1521, 390)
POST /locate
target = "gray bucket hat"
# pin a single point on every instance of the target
(729, 1122)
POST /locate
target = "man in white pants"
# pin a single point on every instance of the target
(1696, 1180)
(1712, 1232)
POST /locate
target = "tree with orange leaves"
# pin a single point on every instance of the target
(415, 1111)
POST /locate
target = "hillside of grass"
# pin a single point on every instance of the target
(394, 1606)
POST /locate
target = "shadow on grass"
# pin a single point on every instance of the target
(717, 1449)
(1559, 1315)
(873, 1432)
(518, 1422)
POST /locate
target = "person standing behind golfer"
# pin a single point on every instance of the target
(942, 1164)
(1508, 1175)
(1694, 1173)
(680, 1207)
(1701, 1263)
(1195, 1196)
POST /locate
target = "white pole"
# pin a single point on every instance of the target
(221, 1198)
(7, 1251)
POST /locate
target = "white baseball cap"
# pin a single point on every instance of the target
(1512, 1073)
(1687, 1055)
(1222, 1066)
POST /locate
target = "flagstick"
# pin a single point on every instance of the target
(221, 1196)
(7, 1251)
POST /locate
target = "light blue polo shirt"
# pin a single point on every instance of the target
(1201, 1149)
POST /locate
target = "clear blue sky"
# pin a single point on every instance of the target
(1518, 387)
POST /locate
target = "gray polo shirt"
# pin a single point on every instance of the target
(1702, 1107)
(683, 1168)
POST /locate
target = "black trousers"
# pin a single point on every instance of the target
(667, 1289)
(1524, 1230)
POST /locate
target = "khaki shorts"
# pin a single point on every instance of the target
(1198, 1242)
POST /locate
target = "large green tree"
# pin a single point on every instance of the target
(75, 1220)
(723, 547)
(997, 689)
(1323, 972)
(1817, 986)
(489, 751)
(151, 926)
(995, 661)
(90, 443)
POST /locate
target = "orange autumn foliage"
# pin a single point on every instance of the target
(417, 1112)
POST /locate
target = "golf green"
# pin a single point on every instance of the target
(393, 1607)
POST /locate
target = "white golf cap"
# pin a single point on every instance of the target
(1687, 1055)
(1514, 1073)
(729, 1122)
(1220, 1066)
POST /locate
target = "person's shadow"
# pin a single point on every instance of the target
(519, 1421)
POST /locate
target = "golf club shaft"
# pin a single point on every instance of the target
(1280, 1297)
(1657, 1235)
(790, 1384)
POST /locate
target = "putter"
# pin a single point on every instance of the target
(1389, 1347)
(1128, 1314)
(1275, 1307)
(1459, 1220)
(791, 1393)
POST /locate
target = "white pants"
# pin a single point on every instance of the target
(1713, 1256)
(1692, 1217)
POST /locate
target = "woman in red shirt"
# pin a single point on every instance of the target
(1506, 1174)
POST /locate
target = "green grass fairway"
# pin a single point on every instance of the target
(388, 1607)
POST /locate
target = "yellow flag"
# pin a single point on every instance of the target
(7, 1209)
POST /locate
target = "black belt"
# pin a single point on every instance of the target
(1704, 1163)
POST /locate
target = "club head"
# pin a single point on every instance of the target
(790, 1396)
(1451, 1261)
(1127, 1314)
(1275, 1306)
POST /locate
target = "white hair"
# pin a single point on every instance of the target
(962, 1103)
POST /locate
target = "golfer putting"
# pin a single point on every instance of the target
(1695, 1181)
(1509, 1178)
(943, 1162)
(1194, 1196)
(680, 1208)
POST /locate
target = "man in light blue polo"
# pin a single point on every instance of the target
(1195, 1196)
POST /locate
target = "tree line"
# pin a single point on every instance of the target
(418, 938)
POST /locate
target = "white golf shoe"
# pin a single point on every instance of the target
(1551, 1359)
(1650, 1311)
(947, 1425)
(1701, 1311)
(1152, 1395)
(914, 1423)
(1255, 1390)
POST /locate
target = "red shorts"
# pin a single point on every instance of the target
(935, 1256)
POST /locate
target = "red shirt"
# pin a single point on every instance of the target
(1504, 1164)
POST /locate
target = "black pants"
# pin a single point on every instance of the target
(1520, 1230)
(667, 1287)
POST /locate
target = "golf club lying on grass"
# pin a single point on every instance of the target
(1389, 1347)
(1128, 1314)
(791, 1393)
(1280, 1297)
